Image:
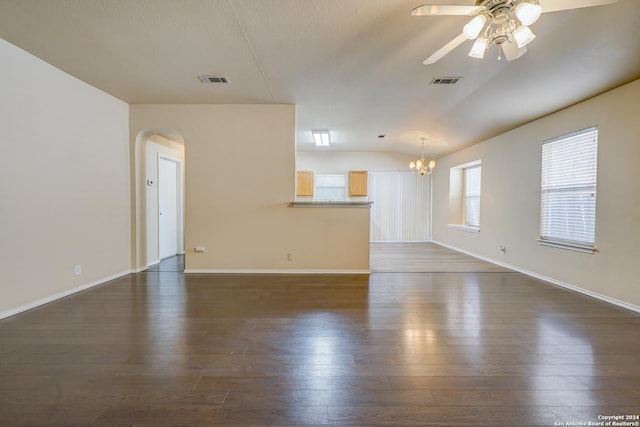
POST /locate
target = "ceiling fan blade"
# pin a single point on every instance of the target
(445, 49)
(427, 9)
(511, 51)
(556, 5)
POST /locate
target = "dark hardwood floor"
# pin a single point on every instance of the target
(160, 348)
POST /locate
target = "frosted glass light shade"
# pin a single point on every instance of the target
(321, 137)
(479, 48)
(473, 27)
(523, 36)
(528, 12)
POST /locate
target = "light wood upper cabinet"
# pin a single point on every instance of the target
(357, 183)
(304, 183)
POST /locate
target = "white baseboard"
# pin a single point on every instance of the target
(550, 280)
(54, 297)
(272, 271)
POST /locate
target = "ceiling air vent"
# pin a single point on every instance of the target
(213, 79)
(445, 80)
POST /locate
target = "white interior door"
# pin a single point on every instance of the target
(167, 208)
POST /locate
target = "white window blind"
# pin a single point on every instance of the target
(400, 210)
(568, 202)
(330, 187)
(472, 196)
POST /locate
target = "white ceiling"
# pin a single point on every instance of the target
(351, 66)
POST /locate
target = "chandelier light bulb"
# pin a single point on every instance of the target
(420, 166)
(528, 12)
(523, 36)
(473, 27)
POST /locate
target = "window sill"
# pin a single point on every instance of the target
(587, 249)
(463, 227)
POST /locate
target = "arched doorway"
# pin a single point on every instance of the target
(159, 197)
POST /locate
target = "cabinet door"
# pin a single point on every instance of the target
(358, 183)
(304, 183)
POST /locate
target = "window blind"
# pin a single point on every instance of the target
(472, 196)
(569, 176)
(400, 210)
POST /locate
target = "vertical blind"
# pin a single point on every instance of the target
(472, 196)
(569, 175)
(400, 210)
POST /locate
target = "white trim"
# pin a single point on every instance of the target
(179, 201)
(468, 165)
(57, 296)
(149, 264)
(462, 227)
(547, 279)
(587, 249)
(271, 271)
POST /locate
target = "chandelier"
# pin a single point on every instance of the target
(498, 22)
(421, 166)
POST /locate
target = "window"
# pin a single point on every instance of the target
(330, 188)
(472, 196)
(568, 192)
(464, 196)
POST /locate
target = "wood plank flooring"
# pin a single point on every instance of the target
(424, 258)
(161, 348)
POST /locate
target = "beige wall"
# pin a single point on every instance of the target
(510, 205)
(344, 161)
(240, 177)
(65, 183)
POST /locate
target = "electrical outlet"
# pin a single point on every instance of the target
(199, 249)
(78, 270)
(503, 249)
(290, 256)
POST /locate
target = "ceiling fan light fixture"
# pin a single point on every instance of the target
(479, 48)
(523, 36)
(473, 27)
(528, 12)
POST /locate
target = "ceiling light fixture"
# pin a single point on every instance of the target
(499, 22)
(421, 166)
(503, 23)
(528, 11)
(321, 138)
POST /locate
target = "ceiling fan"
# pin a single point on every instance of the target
(503, 23)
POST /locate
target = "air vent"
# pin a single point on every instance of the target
(445, 80)
(213, 79)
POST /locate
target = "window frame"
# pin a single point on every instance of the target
(318, 188)
(457, 197)
(547, 235)
(466, 197)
